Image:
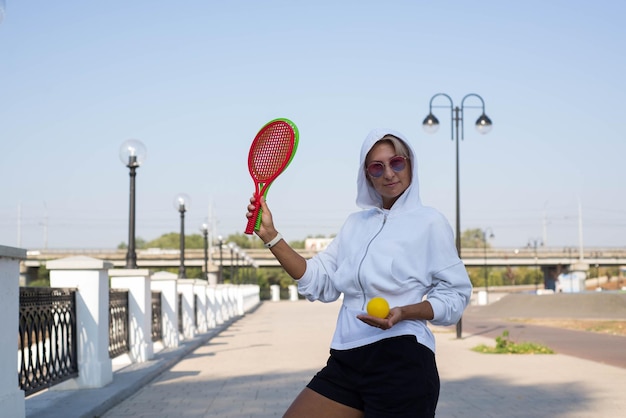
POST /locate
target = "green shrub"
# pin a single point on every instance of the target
(504, 345)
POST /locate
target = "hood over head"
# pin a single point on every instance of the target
(367, 197)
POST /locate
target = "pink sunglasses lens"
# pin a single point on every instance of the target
(397, 164)
(375, 169)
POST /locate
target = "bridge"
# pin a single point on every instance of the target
(155, 258)
(229, 377)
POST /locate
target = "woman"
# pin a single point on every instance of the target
(395, 248)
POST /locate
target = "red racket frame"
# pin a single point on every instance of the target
(270, 153)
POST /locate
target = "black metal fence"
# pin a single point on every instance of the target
(157, 328)
(47, 338)
(118, 323)
(47, 342)
(195, 309)
(180, 313)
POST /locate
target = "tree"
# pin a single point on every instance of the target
(297, 245)
(473, 238)
(139, 243)
(252, 241)
(510, 276)
(172, 240)
(244, 241)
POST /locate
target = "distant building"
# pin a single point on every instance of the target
(573, 282)
(316, 244)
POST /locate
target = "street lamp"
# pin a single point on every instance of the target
(205, 235)
(232, 247)
(220, 278)
(483, 125)
(237, 252)
(242, 269)
(182, 202)
(2, 9)
(244, 266)
(248, 269)
(132, 154)
(534, 243)
(489, 231)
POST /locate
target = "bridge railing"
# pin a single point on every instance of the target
(47, 338)
(218, 261)
(11, 397)
(203, 307)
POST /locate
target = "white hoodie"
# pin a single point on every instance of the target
(401, 254)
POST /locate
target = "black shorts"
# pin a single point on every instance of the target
(394, 377)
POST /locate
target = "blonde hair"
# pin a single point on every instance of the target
(398, 145)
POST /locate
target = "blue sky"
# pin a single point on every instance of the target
(195, 80)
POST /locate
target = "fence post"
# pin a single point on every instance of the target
(166, 283)
(199, 290)
(221, 304)
(275, 291)
(137, 281)
(12, 402)
(251, 297)
(211, 307)
(231, 301)
(91, 279)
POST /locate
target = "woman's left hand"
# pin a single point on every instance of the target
(395, 316)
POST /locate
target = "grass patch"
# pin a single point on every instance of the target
(504, 345)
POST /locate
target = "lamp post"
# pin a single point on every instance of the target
(2, 10)
(242, 266)
(220, 242)
(248, 269)
(132, 154)
(205, 235)
(487, 231)
(534, 243)
(181, 203)
(232, 247)
(236, 277)
(483, 125)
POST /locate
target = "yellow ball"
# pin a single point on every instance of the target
(378, 307)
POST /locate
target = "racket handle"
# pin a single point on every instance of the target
(259, 218)
(254, 222)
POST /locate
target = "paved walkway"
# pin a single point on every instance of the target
(258, 364)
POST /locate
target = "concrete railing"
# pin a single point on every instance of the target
(11, 397)
(214, 305)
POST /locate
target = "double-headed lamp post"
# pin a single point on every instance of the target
(132, 154)
(483, 125)
(487, 234)
(182, 202)
(205, 234)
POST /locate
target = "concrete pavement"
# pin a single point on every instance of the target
(500, 385)
(258, 364)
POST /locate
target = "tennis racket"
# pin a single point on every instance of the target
(271, 152)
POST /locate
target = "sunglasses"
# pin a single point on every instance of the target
(377, 169)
